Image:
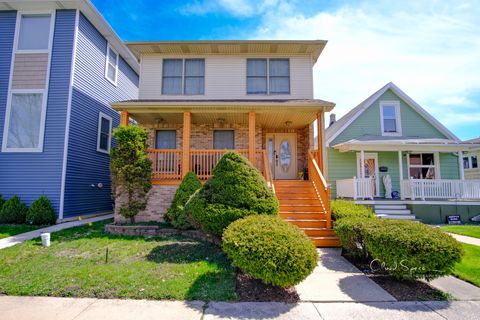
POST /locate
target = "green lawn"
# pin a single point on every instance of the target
(8, 230)
(138, 268)
(466, 230)
(469, 268)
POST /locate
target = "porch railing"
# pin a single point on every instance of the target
(439, 189)
(167, 163)
(356, 188)
(322, 188)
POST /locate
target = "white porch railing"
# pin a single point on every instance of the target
(356, 188)
(439, 189)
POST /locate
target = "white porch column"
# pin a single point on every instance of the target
(460, 165)
(400, 172)
(362, 164)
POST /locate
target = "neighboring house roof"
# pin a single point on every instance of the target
(476, 140)
(92, 14)
(339, 126)
(230, 47)
(377, 143)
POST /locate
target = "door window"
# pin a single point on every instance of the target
(285, 155)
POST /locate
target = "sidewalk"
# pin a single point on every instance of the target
(39, 308)
(466, 239)
(19, 238)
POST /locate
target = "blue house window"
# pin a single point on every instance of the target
(34, 34)
(111, 66)
(104, 133)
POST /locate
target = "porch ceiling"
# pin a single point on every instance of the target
(415, 145)
(293, 114)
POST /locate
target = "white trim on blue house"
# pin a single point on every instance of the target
(338, 127)
(69, 115)
(43, 91)
(101, 116)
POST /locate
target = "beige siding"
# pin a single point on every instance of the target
(473, 174)
(30, 71)
(225, 78)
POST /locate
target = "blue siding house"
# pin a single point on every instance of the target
(61, 65)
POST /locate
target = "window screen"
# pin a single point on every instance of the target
(223, 139)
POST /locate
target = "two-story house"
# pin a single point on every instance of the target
(61, 65)
(199, 99)
(391, 153)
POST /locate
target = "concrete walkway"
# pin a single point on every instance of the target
(459, 289)
(19, 238)
(40, 308)
(466, 239)
(337, 280)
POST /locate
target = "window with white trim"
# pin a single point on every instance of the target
(470, 162)
(422, 166)
(24, 122)
(111, 66)
(34, 33)
(390, 117)
(268, 76)
(183, 77)
(104, 138)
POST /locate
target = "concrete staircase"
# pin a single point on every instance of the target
(300, 205)
(393, 211)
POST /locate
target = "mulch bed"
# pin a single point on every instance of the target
(250, 289)
(402, 290)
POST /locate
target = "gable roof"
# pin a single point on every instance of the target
(89, 11)
(339, 126)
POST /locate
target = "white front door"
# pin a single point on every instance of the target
(370, 166)
(282, 154)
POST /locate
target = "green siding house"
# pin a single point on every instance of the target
(391, 153)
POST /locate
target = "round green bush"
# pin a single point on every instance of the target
(235, 183)
(41, 212)
(176, 214)
(270, 249)
(13, 211)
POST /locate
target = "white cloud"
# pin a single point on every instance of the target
(237, 8)
(429, 49)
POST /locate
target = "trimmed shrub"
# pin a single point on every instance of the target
(176, 214)
(350, 232)
(411, 250)
(2, 201)
(347, 209)
(270, 249)
(13, 211)
(236, 184)
(41, 212)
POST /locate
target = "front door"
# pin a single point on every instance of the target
(370, 166)
(282, 154)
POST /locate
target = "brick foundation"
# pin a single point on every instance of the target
(159, 200)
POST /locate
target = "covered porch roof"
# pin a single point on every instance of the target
(293, 113)
(414, 144)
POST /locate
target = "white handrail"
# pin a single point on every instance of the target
(356, 188)
(440, 189)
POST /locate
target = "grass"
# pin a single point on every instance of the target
(469, 268)
(138, 268)
(8, 230)
(466, 230)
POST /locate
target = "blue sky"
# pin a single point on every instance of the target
(429, 48)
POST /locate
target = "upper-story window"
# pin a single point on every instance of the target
(268, 76)
(111, 65)
(390, 118)
(183, 77)
(34, 33)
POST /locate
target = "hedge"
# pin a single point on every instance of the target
(176, 214)
(347, 209)
(270, 249)
(236, 189)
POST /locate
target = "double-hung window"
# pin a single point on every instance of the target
(390, 118)
(111, 66)
(104, 137)
(470, 162)
(268, 76)
(422, 166)
(183, 77)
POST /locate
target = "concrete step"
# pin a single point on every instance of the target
(391, 206)
(397, 216)
(406, 211)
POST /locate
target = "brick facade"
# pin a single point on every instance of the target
(159, 200)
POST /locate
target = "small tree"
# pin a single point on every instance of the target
(13, 211)
(41, 212)
(131, 170)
